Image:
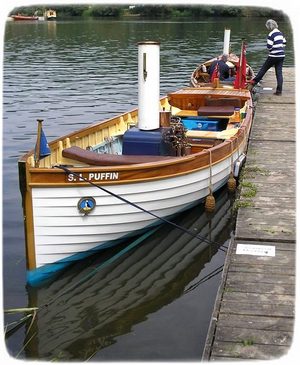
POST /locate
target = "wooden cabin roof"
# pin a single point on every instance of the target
(222, 92)
(193, 98)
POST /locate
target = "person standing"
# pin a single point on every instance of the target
(275, 45)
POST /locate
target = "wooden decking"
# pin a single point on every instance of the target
(254, 310)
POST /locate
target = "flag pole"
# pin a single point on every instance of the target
(38, 144)
(241, 69)
(241, 62)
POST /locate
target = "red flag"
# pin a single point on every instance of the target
(216, 73)
(240, 79)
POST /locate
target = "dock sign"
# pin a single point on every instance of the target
(255, 250)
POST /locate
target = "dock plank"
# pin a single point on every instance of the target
(262, 268)
(253, 317)
(251, 336)
(254, 278)
(242, 352)
(254, 322)
(260, 309)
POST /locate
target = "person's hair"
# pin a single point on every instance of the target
(271, 24)
(224, 57)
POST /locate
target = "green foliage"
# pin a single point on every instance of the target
(153, 11)
(150, 11)
(242, 204)
(24, 10)
(104, 11)
(249, 190)
(71, 10)
(248, 342)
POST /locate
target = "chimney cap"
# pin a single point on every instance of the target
(149, 42)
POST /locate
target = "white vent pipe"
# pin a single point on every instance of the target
(148, 70)
(226, 44)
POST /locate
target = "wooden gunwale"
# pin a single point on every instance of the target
(140, 172)
(148, 171)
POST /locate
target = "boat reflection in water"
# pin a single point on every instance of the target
(90, 317)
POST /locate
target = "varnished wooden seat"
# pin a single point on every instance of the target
(235, 102)
(213, 110)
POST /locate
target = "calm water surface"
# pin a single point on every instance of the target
(154, 302)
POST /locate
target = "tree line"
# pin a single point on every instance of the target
(149, 11)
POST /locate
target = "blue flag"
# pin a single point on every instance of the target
(44, 147)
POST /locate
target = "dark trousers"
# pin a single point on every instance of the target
(277, 62)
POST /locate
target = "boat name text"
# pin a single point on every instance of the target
(93, 176)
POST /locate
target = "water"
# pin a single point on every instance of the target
(73, 73)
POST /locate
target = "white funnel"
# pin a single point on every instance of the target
(148, 60)
(226, 45)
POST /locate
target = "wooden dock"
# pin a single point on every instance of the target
(254, 311)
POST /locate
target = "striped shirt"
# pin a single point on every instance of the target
(276, 43)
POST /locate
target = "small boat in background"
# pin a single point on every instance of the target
(200, 77)
(20, 17)
(50, 14)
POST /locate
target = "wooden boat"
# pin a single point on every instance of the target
(200, 76)
(139, 283)
(116, 178)
(20, 17)
(50, 15)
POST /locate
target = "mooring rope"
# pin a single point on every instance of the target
(195, 235)
(210, 275)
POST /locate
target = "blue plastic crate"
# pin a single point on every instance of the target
(201, 124)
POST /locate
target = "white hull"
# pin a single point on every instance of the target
(61, 232)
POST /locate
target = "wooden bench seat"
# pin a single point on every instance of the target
(207, 111)
(235, 102)
(225, 134)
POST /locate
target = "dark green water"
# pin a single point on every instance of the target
(155, 302)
